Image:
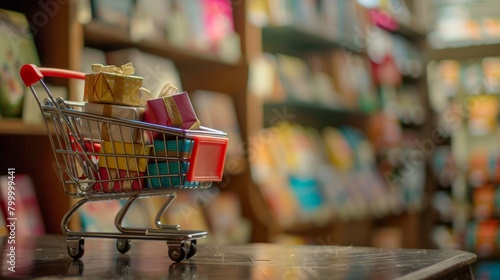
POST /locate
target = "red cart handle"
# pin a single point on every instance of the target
(31, 74)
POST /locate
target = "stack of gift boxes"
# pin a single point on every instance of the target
(123, 160)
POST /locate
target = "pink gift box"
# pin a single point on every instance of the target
(127, 184)
(174, 110)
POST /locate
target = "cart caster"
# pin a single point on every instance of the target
(177, 253)
(123, 245)
(76, 247)
(192, 249)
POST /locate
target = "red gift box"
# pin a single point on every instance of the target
(90, 147)
(173, 110)
(125, 185)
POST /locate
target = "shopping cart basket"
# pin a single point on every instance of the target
(94, 165)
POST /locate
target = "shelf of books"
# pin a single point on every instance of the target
(314, 115)
(343, 107)
(105, 36)
(467, 50)
(465, 98)
(463, 89)
(16, 49)
(284, 40)
(388, 21)
(194, 32)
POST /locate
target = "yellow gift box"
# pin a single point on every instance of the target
(115, 85)
(135, 164)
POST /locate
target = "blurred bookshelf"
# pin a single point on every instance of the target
(385, 20)
(18, 127)
(108, 37)
(314, 115)
(284, 39)
(301, 54)
(464, 51)
(465, 196)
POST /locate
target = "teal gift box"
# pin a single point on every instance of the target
(173, 148)
(174, 168)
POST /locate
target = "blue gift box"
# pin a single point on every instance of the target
(174, 168)
(174, 148)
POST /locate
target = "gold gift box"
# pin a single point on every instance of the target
(136, 164)
(115, 85)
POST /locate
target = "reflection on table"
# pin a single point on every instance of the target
(47, 256)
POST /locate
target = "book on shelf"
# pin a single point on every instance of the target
(117, 13)
(17, 48)
(295, 76)
(263, 78)
(305, 14)
(323, 88)
(280, 12)
(334, 20)
(204, 25)
(150, 19)
(474, 82)
(258, 12)
(330, 79)
(284, 167)
(217, 19)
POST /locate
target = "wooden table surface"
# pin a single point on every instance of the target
(47, 257)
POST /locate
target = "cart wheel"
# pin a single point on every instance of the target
(123, 245)
(192, 249)
(177, 254)
(76, 248)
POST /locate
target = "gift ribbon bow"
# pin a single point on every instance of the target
(125, 69)
(167, 90)
(172, 110)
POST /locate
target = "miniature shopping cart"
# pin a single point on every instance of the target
(94, 166)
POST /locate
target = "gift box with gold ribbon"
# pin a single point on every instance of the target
(169, 174)
(115, 85)
(112, 132)
(171, 109)
(120, 160)
(181, 148)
